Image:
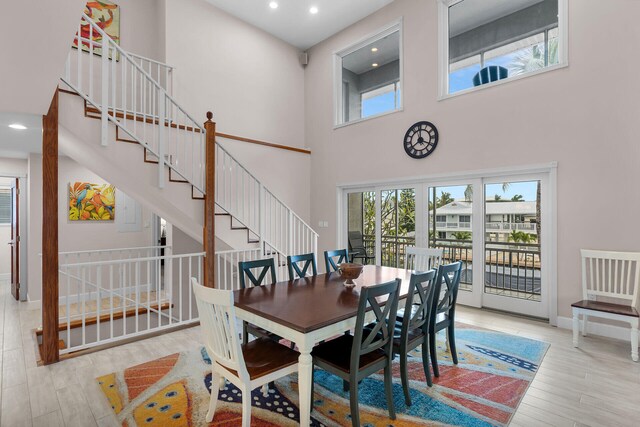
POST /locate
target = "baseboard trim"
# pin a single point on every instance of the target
(594, 328)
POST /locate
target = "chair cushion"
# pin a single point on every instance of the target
(264, 356)
(607, 307)
(337, 353)
(414, 335)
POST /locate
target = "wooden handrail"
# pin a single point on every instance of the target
(89, 111)
(266, 144)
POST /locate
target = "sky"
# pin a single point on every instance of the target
(526, 189)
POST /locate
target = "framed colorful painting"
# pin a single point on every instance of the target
(107, 16)
(91, 202)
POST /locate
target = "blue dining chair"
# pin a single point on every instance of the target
(264, 267)
(331, 264)
(444, 302)
(296, 271)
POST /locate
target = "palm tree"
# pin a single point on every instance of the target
(461, 235)
(444, 199)
(517, 198)
(533, 58)
(497, 198)
(468, 192)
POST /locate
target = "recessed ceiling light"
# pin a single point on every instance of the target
(374, 49)
(17, 126)
(375, 64)
(273, 5)
(313, 10)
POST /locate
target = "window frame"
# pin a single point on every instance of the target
(338, 100)
(443, 51)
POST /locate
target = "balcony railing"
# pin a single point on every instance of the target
(513, 269)
(457, 250)
(489, 226)
(510, 268)
(508, 226)
(394, 249)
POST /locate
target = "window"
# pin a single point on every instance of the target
(377, 101)
(368, 77)
(441, 218)
(464, 218)
(5, 206)
(508, 39)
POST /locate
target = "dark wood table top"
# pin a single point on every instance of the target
(314, 302)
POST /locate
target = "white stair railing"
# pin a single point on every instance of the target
(108, 301)
(132, 93)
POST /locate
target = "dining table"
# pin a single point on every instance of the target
(311, 309)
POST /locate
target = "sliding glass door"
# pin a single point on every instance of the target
(493, 225)
(383, 221)
(515, 276)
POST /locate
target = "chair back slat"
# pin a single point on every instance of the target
(380, 336)
(446, 291)
(263, 266)
(296, 271)
(218, 320)
(333, 258)
(423, 259)
(611, 274)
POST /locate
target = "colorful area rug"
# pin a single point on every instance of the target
(484, 389)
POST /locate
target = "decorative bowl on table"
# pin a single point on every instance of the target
(350, 271)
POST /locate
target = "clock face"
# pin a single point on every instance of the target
(420, 140)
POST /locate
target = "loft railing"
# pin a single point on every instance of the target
(107, 301)
(123, 88)
(103, 302)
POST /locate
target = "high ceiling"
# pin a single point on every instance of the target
(469, 14)
(292, 22)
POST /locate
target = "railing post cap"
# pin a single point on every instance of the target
(209, 115)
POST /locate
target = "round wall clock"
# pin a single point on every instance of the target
(420, 140)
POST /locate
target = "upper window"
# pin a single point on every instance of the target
(489, 42)
(368, 77)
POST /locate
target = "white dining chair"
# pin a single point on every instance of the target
(247, 366)
(610, 290)
(423, 259)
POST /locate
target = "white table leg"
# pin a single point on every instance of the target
(305, 376)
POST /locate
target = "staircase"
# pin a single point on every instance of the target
(117, 116)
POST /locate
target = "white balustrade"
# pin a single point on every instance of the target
(108, 301)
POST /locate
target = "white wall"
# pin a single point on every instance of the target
(13, 167)
(34, 40)
(584, 116)
(5, 237)
(251, 81)
(72, 235)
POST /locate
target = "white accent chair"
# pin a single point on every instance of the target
(247, 366)
(610, 288)
(423, 259)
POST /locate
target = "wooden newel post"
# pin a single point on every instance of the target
(210, 202)
(50, 348)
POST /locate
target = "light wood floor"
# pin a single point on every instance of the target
(597, 385)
